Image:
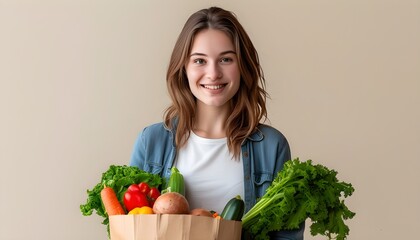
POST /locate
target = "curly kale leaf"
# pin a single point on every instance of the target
(302, 190)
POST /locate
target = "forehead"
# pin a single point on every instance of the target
(212, 40)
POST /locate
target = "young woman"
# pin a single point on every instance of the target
(213, 131)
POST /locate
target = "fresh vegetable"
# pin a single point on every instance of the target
(133, 188)
(144, 188)
(119, 178)
(201, 212)
(111, 203)
(171, 203)
(135, 198)
(141, 210)
(153, 194)
(234, 209)
(215, 214)
(302, 190)
(176, 182)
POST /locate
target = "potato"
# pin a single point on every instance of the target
(171, 203)
(201, 212)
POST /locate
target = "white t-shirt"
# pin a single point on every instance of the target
(212, 176)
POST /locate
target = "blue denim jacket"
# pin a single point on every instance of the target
(263, 154)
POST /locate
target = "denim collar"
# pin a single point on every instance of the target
(256, 136)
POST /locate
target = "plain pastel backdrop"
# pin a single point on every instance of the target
(79, 79)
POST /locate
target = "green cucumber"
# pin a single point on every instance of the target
(234, 209)
(176, 182)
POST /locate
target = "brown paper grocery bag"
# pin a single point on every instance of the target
(172, 227)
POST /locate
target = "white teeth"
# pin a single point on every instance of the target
(213, 87)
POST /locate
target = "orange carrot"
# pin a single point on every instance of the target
(216, 215)
(111, 203)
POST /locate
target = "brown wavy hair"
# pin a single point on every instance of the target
(248, 106)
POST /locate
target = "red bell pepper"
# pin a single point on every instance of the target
(134, 197)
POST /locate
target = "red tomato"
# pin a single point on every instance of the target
(154, 193)
(144, 188)
(133, 188)
(135, 199)
(151, 203)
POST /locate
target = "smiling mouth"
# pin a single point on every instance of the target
(214, 87)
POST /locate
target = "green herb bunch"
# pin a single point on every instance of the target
(302, 190)
(119, 178)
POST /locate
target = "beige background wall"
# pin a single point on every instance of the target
(79, 79)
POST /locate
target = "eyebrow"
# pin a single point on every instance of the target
(222, 53)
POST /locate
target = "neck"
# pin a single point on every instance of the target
(210, 121)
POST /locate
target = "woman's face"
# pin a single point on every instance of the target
(212, 68)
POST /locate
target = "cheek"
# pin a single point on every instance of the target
(234, 72)
(192, 75)
(236, 76)
(191, 84)
(237, 82)
(237, 85)
(191, 80)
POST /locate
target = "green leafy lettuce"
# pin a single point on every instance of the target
(302, 190)
(119, 178)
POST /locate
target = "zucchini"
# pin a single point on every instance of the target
(176, 182)
(234, 209)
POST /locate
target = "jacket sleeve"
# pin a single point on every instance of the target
(281, 153)
(138, 154)
(153, 150)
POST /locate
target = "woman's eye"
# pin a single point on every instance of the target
(226, 60)
(199, 61)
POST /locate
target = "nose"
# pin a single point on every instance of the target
(214, 72)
